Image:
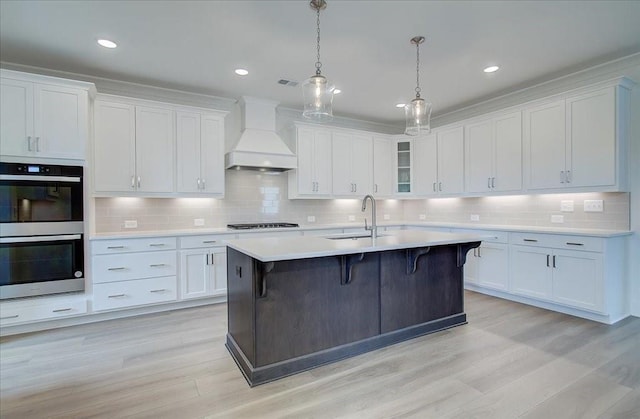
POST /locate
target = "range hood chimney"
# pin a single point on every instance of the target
(259, 147)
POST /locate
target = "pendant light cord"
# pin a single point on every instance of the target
(417, 69)
(318, 63)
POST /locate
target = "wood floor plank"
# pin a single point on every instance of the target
(510, 360)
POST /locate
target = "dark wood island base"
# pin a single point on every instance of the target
(290, 316)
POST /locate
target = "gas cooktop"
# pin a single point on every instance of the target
(251, 226)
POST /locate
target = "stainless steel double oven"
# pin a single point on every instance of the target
(41, 229)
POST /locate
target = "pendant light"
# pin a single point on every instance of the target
(317, 92)
(418, 112)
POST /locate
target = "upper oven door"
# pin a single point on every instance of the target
(39, 194)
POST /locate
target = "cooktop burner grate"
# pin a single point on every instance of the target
(251, 226)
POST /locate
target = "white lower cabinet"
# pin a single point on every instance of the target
(123, 276)
(545, 269)
(203, 266)
(488, 265)
(41, 308)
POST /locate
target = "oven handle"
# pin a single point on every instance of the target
(73, 179)
(40, 238)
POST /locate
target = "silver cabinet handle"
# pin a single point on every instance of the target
(133, 182)
(198, 182)
(158, 290)
(568, 176)
(138, 182)
(440, 186)
(489, 182)
(493, 182)
(38, 144)
(530, 240)
(204, 184)
(355, 187)
(547, 261)
(156, 245)
(574, 244)
(116, 296)
(562, 176)
(29, 143)
(375, 187)
(15, 316)
(116, 269)
(434, 186)
(157, 265)
(115, 247)
(209, 241)
(212, 260)
(479, 253)
(207, 255)
(554, 261)
(60, 310)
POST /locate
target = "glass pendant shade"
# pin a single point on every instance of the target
(418, 117)
(318, 99)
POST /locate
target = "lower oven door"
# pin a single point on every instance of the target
(40, 265)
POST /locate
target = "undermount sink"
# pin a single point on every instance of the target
(354, 236)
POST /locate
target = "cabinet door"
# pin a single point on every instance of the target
(404, 167)
(479, 156)
(341, 161)
(114, 147)
(545, 145)
(322, 162)
(304, 150)
(383, 154)
(212, 157)
(154, 149)
(531, 272)
(425, 167)
(591, 145)
(60, 121)
(195, 275)
(507, 167)
(451, 161)
(361, 165)
(16, 118)
(218, 268)
(493, 266)
(471, 267)
(188, 135)
(577, 279)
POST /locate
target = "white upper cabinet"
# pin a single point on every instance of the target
(43, 117)
(439, 163)
(312, 178)
(352, 164)
(493, 154)
(404, 166)
(134, 148)
(383, 155)
(200, 153)
(578, 142)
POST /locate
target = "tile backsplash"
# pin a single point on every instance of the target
(254, 197)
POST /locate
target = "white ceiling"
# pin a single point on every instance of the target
(365, 50)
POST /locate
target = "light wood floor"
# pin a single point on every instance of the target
(510, 361)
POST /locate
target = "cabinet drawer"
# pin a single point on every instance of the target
(110, 268)
(40, 309)
(105, 247)
(557, 241)
(194, 242)
(134, 293)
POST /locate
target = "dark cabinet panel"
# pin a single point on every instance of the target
(240, 301)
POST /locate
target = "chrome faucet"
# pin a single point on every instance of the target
(374, 227)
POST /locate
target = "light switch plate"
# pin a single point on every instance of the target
(475, 217)
(557, 218)
(352, 218)
(311, 218)
(566, 206)
(593, 205)
(131, 224)
(422, 217)
(198, 222)
(386, 217)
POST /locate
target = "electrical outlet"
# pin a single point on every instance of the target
(131, 224)
(386, 217)
(475, 217)
(198, 222)
(422, 217)
(311, 218)
(566, 206)
(557, 219)
(593, 205)
(352, 218)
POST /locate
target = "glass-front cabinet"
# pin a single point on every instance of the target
(403, 167)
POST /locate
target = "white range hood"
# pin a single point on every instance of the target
(259, 147)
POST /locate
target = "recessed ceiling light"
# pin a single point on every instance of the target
(337, 91)
(241, 72)
(106, 43)
(491, 69)
(400, 105)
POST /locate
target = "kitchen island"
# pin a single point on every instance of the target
(295, 303)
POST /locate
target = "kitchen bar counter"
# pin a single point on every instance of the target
(296, 303)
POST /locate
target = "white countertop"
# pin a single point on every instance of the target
(270, 249)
